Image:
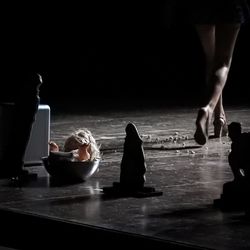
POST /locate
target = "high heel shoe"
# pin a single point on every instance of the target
(220, 127)
(202, 125)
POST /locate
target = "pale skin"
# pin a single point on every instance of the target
(218, 42)
(53, 147)
(83, 151)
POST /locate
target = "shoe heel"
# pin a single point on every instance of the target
(220, 128)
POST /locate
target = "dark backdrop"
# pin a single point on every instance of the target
(122, 52)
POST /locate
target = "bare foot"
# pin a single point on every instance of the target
(53, 146)
(202, 125)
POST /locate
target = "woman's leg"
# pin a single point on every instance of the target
(225, 38)
(206, 35)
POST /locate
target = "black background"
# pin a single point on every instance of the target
(119, 52)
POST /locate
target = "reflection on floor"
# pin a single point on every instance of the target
(190, 177)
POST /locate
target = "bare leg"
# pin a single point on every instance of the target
(223, 36)
(226, 35)
(207, 37)
(206, 34)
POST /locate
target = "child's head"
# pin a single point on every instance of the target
(82, 137)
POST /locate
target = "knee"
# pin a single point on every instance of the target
(220, 73)
(33, 80)
(31, 85)
(221, 66)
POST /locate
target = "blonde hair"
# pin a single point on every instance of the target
(80, 137)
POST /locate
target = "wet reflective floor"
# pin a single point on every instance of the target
(183, 217)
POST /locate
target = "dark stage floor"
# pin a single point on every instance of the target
(189, 176)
